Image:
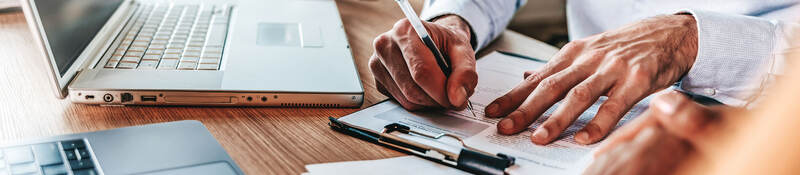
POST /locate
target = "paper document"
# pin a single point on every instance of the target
(392, 166)
(497, 74)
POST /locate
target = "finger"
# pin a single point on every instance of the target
(383, 78)
(421, 63)
(549, 91)
(580, 98)
(382, 89)
(528, 73)
(686, 118)
(626, 133)
(463, 80)
(389, 54)
(507, 103)
(615, 107)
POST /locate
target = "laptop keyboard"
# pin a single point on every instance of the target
(55, 158)
(171, 37)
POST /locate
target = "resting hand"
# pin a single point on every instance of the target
(626, 65)
(668, 134)
(404, 68)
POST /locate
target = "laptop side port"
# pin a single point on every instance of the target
(148, 98)
(126, 97)
(89, 97)
(108, 98)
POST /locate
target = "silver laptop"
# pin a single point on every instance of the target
(291, 53)
(175, 148)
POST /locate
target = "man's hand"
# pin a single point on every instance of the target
(406, 70)
(626, 65)
(668, 134)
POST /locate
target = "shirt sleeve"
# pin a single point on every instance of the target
(737, 57)
(487, 18)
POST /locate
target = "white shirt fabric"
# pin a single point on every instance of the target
(738, 40)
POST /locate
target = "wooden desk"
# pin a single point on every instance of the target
(260, 140)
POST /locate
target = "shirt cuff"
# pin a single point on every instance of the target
(468, 11)
(733, 57)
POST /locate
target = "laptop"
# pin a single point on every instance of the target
(188, 52)
(176, 148)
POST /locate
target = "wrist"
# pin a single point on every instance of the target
(456, 23)
(689, 43)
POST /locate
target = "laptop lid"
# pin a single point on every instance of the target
(64, 29)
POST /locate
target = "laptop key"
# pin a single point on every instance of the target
(111, 64)
(168, 64)
(187, 65)
(151, 58)
(28, 168)
(19, 155)
(85, 172)
(47, 154)
(84, 153)
(81, 164)
(209, 61)
(73, 144)
(124, 65)
(58, 169)
(148, 65)
(130, 60)
(71, 155)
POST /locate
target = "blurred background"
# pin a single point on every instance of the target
(543, 20)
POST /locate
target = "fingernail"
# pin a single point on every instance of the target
(540, 135)
(582, 137)
(668, 103)
(459, 98)
(506, 125)
(492, 109)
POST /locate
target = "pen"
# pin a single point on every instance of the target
(441, 59)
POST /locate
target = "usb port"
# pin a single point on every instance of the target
(89, 97)
(151, 98)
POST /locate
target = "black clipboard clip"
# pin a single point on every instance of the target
(468, 159)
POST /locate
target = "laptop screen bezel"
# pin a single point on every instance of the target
(93, 50)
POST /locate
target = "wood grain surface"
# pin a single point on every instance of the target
(260, 140)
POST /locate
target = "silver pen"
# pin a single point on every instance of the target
(441, 60)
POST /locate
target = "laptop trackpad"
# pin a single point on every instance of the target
(278, 34)
(219, 168)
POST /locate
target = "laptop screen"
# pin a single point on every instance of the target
(71, 24)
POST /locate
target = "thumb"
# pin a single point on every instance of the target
(462, 81)
(458, 51)
(684, 117)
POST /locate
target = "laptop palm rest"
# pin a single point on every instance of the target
(218, 168)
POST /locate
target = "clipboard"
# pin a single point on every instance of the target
(467, 159)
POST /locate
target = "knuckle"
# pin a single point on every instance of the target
(402, 24)
(533, 77)
(413, 95)
(613, 107)
(381, 40)
(575, 44)
(550, 84)
(375, 65)
(420, 73)
(525, 112)
(581, 93)
(641, 75)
